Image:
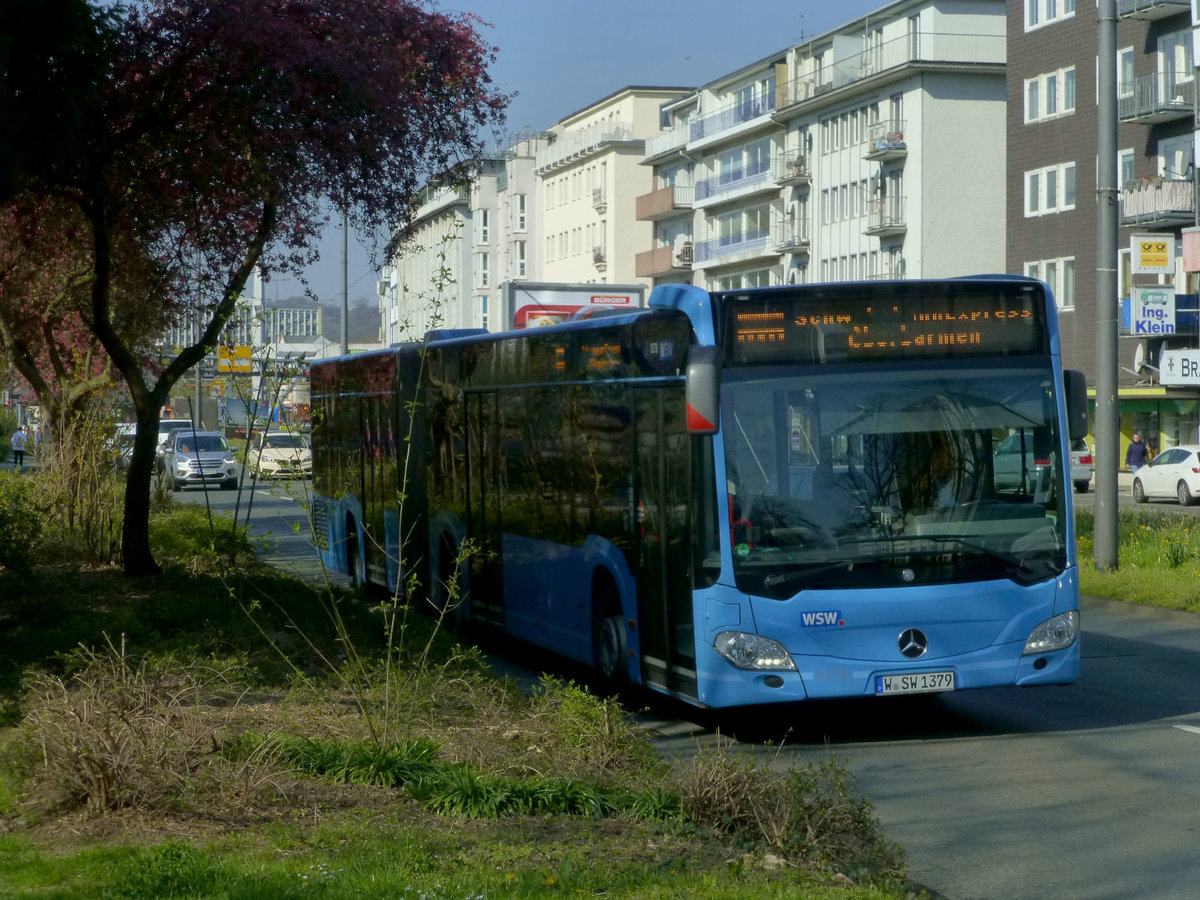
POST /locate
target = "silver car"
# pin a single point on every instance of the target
(200, 458)
(1081, 465)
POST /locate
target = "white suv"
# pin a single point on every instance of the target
(1081, 465)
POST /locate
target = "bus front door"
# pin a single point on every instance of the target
(663, 469)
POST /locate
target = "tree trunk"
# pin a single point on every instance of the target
(137, 558)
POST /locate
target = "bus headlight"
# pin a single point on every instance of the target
(1054, 634)
(752, 651)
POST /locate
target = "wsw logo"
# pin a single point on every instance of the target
(823, 617)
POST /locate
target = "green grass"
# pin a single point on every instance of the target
(1158, 559)
(241, 755)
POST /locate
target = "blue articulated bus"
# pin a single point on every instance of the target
(736, 497)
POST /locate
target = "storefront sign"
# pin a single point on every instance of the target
(1152, 311)
(1179, 368)
(1152, 254)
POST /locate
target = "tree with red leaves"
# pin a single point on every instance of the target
(216, 142)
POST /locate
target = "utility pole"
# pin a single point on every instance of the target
(345, 329)
(1108, 416)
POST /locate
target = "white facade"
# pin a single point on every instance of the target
(591, 176)
(876, 150)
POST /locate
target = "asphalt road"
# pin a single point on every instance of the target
(1085, 791)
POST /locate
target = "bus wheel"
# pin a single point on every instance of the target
(609, 636)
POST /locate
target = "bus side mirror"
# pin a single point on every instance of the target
(703, 390)
(1075, 385)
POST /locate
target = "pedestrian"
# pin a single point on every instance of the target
(20, 441)
(1136, 454)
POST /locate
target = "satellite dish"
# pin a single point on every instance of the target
(1139, 357)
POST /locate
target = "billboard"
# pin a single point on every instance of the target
(528, 304)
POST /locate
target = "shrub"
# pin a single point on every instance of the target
(20, 520)
(186, 535)
(807, 812)
(120, 733)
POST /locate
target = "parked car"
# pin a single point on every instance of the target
(1081, 465)
(1174, 473)
(199, 458)
(1016, 471)
(166, 430)
(280, 454)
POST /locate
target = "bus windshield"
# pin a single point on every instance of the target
(905, 474)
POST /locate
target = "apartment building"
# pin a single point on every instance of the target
(873, 151)
(1053, 175)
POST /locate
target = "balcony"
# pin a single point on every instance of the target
(885, 217)
(958, 52)
(663, 261)
(885, 141)
(892, 271)
(599, 200)
(731, 244)
(730, 116)
(1152, 9)
(735, 182)
(667, 142)
(790, 237)
(793, 169)
(664, 202)
(600, 257)
(1159, 202)
(1158, 97)
(572, 146)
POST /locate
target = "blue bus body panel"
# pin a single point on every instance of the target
(548, 598)
(841, 640)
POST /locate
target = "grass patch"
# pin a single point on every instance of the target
(207, 733)
(1158, 555)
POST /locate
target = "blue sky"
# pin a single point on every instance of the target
(559, 56)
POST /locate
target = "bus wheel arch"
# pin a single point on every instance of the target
(609, 643)
(354, 555)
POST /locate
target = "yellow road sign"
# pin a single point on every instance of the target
(234, 359)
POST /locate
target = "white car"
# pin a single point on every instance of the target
(280, 454)
(1173, 474)
(1081, 465)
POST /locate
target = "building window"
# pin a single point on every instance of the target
(1050, 95)
(1125, 79)
(482, 230)
(1050, 190)
(1059, 275)
(1124, 167)
(520, 248)
(521, 226)
(482, 277)
(1046, 12)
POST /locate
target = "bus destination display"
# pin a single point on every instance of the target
(846, 327)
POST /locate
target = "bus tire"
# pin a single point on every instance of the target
(608, 632)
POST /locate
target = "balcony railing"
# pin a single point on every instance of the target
(573, 145)
(729, 116)
(885, 216)
(1152, 9)
(599, 199)
(885, 141)
(600, 257)
(793, 168)
(665, 201)
(1158, 97)
(733, 180)
(790, 237)
(675, 138)
(957, 49)
(731, 244)
(662, 261)
(1159, 201)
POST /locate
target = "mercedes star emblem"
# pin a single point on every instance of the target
(913, 642)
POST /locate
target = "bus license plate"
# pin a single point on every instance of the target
(914, 683)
